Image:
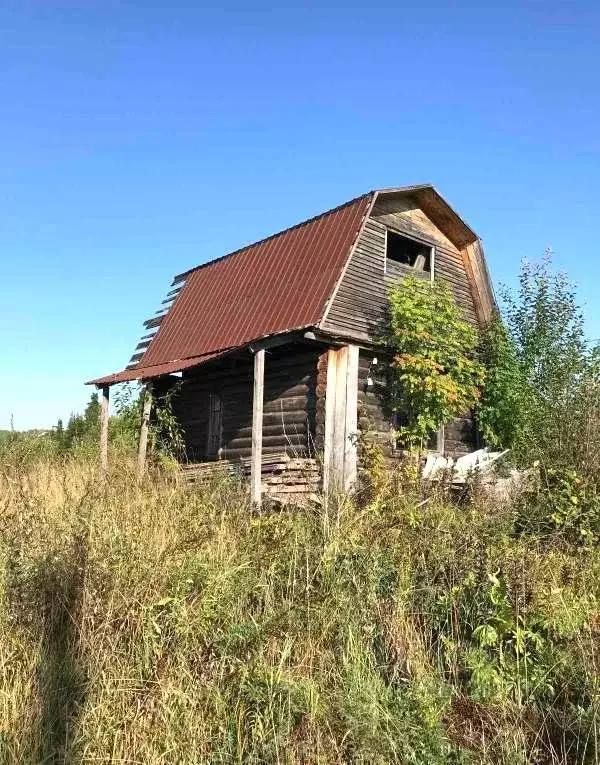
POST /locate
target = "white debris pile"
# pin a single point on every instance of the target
(479, 462)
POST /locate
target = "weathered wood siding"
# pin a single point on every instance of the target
(321, 393)
(289, 404)
(375, 417)
(360, 302)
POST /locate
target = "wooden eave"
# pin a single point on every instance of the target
(437, 209)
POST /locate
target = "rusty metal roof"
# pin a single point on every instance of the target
(278, 284)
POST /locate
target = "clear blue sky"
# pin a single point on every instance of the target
(139, 139)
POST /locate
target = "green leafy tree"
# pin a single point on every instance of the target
(91, 415)
(554, 388)
(500, 412)
(75, 432)
(80, 428)
(435, 374)
(128, 403)
(58, 435)
(165, 433)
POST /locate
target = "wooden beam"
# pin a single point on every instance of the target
(144, 425)
(257, 424)
(351, 420)
(274, 341)
(104, 400)
(329, 419)
(483, 280)
(339, 420)
(340, 460)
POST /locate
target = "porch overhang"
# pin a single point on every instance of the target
(149, 372)
(156, 370)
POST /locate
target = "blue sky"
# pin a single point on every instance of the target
(139, 139)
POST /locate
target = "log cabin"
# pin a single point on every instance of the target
(270, 352)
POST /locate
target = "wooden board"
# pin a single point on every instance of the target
(143, 438)
(257, 424)
(341, 427)
(104, 401)
(282, 478)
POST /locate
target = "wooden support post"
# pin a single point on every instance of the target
(351, 422)
(257, 426)
(341, 425)
(329, 421)
(143, 442)
(104, 431)
(339, 420)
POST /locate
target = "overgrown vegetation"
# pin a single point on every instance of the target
(160, 623)
(81, 435)
(163, 624)
(435, 374)
(531, 377)
(542, 393)
(501, 409)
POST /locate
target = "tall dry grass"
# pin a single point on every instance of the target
(165, 624)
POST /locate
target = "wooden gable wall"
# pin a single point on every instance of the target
(360, 301)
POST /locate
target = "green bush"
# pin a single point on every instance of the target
(501, 410)
(434, 373)
(542, 392)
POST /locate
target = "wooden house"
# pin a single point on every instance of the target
(272, 347)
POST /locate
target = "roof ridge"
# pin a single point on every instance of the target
(183, 274)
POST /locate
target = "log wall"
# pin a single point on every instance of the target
(289, 417)
(375, 416)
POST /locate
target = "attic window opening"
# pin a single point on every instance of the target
(408, 252)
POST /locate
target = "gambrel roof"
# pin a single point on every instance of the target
(277, 285)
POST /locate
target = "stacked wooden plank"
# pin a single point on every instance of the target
(291, 480)
(204, 472)
(283, 477)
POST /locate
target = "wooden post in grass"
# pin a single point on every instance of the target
(257, 428)
(328, 471)
(144, 426)
(341, 427)
(104, 431)
(351, 419)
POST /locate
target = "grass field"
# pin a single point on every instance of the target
(163, 624)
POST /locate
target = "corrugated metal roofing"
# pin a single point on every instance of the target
(278, 284)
